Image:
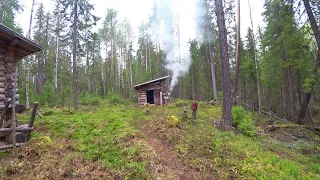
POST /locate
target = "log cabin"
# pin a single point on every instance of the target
(153, 92)
(13, 47)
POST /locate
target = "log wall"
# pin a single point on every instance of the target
(7, 74)
(142, 97)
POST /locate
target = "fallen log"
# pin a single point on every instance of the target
(266, 113)
(294, 125)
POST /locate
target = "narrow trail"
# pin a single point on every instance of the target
(168, 158)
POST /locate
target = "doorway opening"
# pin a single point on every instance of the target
(150, 96)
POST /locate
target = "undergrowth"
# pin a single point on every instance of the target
(225, 155)
(242, 120)
(110, 135)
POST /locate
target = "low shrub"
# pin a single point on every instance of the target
(87, 99)
(173, 121)
(242, 120)
(115, 98)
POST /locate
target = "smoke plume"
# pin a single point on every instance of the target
(175, 30)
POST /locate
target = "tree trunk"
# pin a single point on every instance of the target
(236, 76)
(211, 55)
(289, 95)
(27, 61)
(316, 32)
(255, 61)
(74, 55)
(210, 49)
(225, 66)
(57, 51)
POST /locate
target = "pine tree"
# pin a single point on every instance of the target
(8, 9)
(225, 66)
(79, 14)
(316, 32)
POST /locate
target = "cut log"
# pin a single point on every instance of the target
(8, 76)
(7, 124)
(4, 147)
(3, 51)
(3, 42)
(20, 137)
(10, 106)
(3, 97)
(6, 106)
(3, 90)
(19, 129)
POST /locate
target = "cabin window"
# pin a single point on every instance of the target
(150, 96)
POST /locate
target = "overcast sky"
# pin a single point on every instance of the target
(139, 10)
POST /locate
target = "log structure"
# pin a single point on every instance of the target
(13, 47)
(153, 92)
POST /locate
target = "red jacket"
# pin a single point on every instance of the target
(194, 106)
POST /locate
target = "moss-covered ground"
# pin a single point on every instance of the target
(110, 141)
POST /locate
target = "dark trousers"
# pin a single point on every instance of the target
(194, 114)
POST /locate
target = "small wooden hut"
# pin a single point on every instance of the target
(13, 47)
(153, 92)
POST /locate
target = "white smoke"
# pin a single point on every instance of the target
(177, 17)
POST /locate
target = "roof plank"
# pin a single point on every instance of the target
(25, 45)
(152, 81)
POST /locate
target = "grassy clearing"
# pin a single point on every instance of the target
(106, 142)
(234, 155)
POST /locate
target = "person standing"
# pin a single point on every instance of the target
(185, 114)
(194, 107)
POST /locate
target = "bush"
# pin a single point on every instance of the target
(242, 120)
(87, 99)
(115, 98)
(173, 121)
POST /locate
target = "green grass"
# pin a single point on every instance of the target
(108, 134)
(104, 135)
(229, 154)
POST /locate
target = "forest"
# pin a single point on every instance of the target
(265, 85)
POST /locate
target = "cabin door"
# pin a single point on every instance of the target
(150, 96)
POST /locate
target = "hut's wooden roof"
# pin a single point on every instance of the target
(24, 47)
(150, 82)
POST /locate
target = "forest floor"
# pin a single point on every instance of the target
(125, 141)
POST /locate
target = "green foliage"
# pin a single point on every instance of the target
(242, 120)
(133, 96)
(227, 155)
(88, 99)
(104, 135)
(8, 11)
(115, 98)
(309, 83)
(47, 95)
(172, 121)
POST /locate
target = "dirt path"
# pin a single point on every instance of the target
(167, 158)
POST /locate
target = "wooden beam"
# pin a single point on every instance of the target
(13, 116)
(25, 129)
(4, 147)
(4, 112)
(33, 114)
